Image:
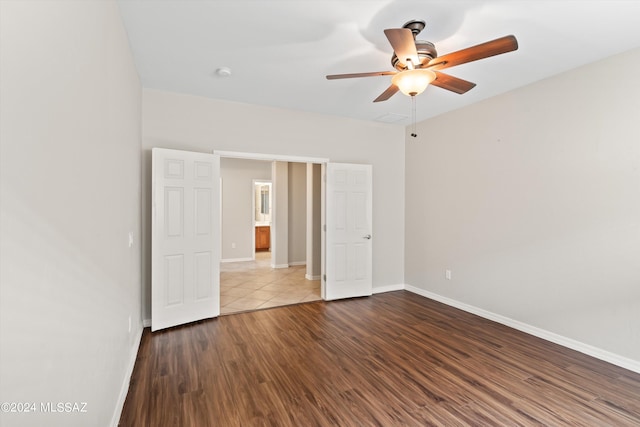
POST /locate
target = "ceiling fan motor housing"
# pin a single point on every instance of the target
(426, 52)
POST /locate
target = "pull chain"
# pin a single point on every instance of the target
(413, 116)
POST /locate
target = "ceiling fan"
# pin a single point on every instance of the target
(417, 63)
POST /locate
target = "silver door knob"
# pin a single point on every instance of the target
(368, 236)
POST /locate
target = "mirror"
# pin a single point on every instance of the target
(262, 190)
(264, 200)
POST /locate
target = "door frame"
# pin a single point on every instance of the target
(322, 161)
(270, 157)
(298, 159)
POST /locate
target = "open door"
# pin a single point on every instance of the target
(348, 239)
(185, 258)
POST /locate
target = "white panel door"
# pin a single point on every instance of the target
(185, 258)
(348, 264)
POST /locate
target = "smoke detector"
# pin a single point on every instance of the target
(223, 72)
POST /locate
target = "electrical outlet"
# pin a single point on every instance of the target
(447, 274)
(130, 238)
(233, 245)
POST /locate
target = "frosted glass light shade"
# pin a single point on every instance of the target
(413, 82)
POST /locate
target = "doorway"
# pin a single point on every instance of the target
(268, 198)
(262, 217)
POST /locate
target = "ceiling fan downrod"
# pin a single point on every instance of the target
(413, 116)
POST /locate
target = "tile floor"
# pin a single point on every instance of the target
(252, 285)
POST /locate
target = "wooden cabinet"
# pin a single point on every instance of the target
(263, 238)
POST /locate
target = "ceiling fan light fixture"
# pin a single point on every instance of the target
(413, 82)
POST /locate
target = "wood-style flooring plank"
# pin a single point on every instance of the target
(392, 359)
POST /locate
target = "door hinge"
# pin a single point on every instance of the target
(324, 277)
(324, 227)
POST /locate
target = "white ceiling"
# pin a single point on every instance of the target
(280, 51)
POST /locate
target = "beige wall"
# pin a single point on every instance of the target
(297, 213)
(314, 223)
(280, 223)
(70, 192)
(200, 124)
(532, 200)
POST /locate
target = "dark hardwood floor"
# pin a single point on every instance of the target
(393, 359)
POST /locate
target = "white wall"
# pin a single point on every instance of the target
(297, 213)
(532, 199)
(200, 124)
(70, 192)
(237, 198)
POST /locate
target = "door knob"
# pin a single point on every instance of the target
(368, 236)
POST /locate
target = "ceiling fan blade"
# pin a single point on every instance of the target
(403, 44)
(388, 93)
(454, 84)
(352, 75)
(481, 51)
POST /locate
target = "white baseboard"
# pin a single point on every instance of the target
(236, 259)
(310, 277)
(388, 288)
(279, 265)
(124, 390)
(146, 323)
(298, 263)
(587, 349)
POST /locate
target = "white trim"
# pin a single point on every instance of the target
(270, 157)
(280, 266)
(237, 259)
(253, 217)
(310, 277)
(587, 349)
(124, 390)
(298, 263)
(146, 323)
(388, 288)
